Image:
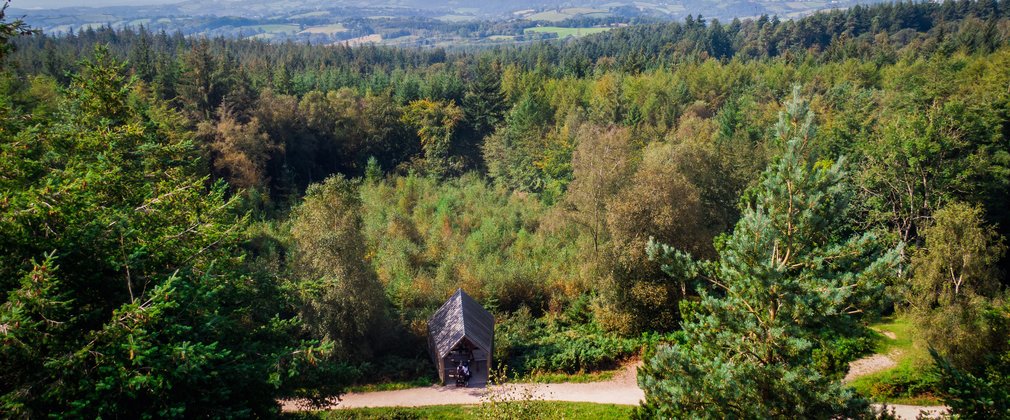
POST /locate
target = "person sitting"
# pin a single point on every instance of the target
(466, 371)
(461, 376)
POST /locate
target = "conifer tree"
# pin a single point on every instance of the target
(122, 277)
(484, 104)
(789, 279)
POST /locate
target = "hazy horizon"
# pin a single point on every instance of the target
(55, 4)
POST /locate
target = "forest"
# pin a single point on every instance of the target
(203, 227)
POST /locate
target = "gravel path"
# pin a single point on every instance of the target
(868, 365)
(621, 389)
(911, 412)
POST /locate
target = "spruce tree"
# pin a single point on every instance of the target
(791, 278)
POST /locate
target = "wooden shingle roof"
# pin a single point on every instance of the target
(460, 316)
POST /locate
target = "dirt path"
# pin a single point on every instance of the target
(911, 412)
(870, 364)
(621, 389)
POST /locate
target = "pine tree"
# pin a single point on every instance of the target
(789, 279)
(10, 30)
(142, 57)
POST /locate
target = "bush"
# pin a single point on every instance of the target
(834, 356)
(530, 345)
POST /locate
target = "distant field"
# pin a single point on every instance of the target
(273, 28)
(567, 32)
(367, 39)
(325, 29)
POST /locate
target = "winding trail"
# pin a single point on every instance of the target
(880, 362)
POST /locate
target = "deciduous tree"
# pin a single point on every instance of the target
(954, 282)
(343, 300)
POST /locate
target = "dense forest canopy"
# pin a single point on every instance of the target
(200, 227)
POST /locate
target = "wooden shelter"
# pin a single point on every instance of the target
(461, 331)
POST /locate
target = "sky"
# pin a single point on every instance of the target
(50, 4)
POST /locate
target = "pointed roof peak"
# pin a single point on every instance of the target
(461, 316)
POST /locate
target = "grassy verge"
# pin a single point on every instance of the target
(392, 385)
(581, 377)
(902, 330)
(911, 380)
(460, 412)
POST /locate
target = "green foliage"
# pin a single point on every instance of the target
(427, 238)
(435, 122)
(373, 172)
(514, 153)
(142, 304)
(343, 301)
(529, 345)
(789, 278)
(912, 381)
(940, 147)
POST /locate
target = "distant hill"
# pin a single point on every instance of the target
(397, 22)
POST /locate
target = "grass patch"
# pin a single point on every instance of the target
(902, 330)
(566, 32)
(392, 385)
(581, 377)
(574, 410)
(912, 380)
